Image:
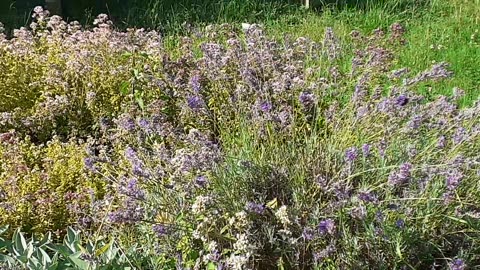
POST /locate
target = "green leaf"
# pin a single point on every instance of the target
(90, 246)
(72, 235)
(65, 251)
(72, 240)
(19, 242)
(3, 229)
(23, 259)
(136, 73)
(5, 243)
(224, 229)
(126, 55)
(34, 263)
(43, 256)
(398, 249)
(104, 248)
(457, 219)
(280, 264)
(272, 204)
(83, 265)
(7, 259)
(124, 88)
(45, 240)
(140, 102)
(29, 250)
(55, 266)
(211, 266)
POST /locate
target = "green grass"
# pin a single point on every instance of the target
(449, 23)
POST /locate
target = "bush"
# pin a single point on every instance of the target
(45, 187)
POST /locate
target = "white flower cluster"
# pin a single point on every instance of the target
(200, 204)
(242, 245)
(239, 221)
(237, 262)
(282, 215)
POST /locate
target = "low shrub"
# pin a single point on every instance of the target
(45, 187)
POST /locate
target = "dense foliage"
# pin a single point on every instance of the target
(226, 149)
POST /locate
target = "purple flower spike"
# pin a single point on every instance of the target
(127, 124)
(130, 154)
(160, 230)
(266, 106)
(326, 226)
(442, 142)
(453, 180)
(195, 102)
(195, 82)
(379, 217)
(351, 154)
(90, 164)
(307, 99)
(400, 223)
(405, 170)
(133, 191)
(256, 208)
(367, 197)
(402, 100)
(402, 176)
(366, 149)
(458, 264)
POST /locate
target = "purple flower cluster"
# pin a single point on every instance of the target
(368, 197)
(458, 264)
(130, 213)
(308, 234)
(402, 100)
(133, 191)
(453, 179)
(90, 164)
(255, 208)
(326, 226)
(366, 148)
(160, 230)
(201, 181)
(402, 176)
(351, 154)
(266, 106)
(195, 102)
(138, 166)
(307, 99)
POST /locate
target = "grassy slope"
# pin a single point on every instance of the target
(449, 23)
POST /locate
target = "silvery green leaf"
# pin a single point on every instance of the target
(81, 264)
(3, 229)
(19, 242)
(43, 256)
(7, 259)
(47, 238)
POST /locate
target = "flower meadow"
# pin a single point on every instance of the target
(230, 149)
